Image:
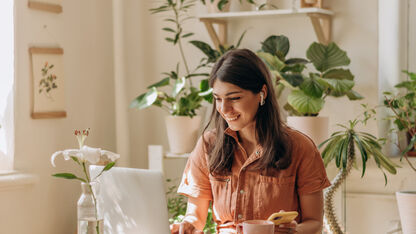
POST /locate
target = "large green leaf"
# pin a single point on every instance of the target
(145, 100)
(305, 104)
(312, 87)
(276, 45)
(178, 87)
(339, 87)
(353, 95)
(272, 61)
(326, 57)
(340, 74)
(293, 79)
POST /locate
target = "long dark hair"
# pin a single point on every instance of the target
(243, 68)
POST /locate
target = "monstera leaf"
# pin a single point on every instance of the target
(304, 104)
(326, 57)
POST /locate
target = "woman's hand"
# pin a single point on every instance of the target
(184, 228)
(286, 228)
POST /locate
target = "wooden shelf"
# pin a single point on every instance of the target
(321, 21)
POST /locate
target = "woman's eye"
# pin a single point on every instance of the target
(217, 99)
(234, 98)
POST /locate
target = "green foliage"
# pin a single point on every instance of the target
(177, 205)
(222, 3)
(337, 146)
(403, 107)
(176, 93)
(308, 92)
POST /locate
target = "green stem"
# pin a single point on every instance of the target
(93, 197)
(179, 29)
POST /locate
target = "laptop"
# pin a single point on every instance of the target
(133, 201)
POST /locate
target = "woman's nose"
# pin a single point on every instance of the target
(225, 107)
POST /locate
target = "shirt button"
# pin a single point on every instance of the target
(240, 216)
(241, 191)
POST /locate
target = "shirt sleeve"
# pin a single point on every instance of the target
(195, 179)
(312, 176)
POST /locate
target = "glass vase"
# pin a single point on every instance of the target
(90, 220)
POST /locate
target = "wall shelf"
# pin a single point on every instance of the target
(321, 20)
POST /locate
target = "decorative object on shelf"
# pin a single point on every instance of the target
(90, 220)
(311, 3)
(48, 96)
(182, 99)
(177, 205)
(265, 5)
(46, 5)
(308, 92)
(341, 147)
(403, 108)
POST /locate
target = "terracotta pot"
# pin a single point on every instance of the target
(406, 202)
(213, 7)
(316, 127)
(182, 133)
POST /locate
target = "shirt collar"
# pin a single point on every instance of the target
(258, 151)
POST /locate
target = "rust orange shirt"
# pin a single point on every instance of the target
(248, 194)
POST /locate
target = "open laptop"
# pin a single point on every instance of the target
(133, 201)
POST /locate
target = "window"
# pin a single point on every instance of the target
(6, 85)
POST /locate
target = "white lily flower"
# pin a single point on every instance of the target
(86, 153)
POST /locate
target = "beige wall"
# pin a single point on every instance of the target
(84, 31)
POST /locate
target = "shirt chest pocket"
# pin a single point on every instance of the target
(221, 193)
(275, 194)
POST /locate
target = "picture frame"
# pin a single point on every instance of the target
(48, 83)
(54, 6)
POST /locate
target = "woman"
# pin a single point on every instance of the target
(251, 165)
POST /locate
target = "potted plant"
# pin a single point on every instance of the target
(342, 147)
(176, 92)
(403, 107)
(309, 91)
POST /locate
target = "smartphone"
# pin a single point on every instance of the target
(283, 217)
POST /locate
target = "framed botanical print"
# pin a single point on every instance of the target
(48, 86)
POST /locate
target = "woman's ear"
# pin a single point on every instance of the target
(264, 90)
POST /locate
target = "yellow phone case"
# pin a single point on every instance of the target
(283, 217)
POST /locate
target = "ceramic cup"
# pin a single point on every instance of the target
(256, 227)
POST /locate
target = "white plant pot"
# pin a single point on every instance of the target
(406, 201)
(315, 127)
(182, 133)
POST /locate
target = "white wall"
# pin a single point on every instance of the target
(84, 31)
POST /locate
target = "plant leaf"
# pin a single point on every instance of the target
(178, 87)
(339, 87)
(145, 100)
(326, 57)
(353, 95)
(272, 61)
(68, 176)
(305, 104)
(161, 83)
(340, 74)
(312, 87)
(276, 45)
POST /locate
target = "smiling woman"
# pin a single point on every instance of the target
(6, 86)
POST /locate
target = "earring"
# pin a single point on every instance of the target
(262, 99)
